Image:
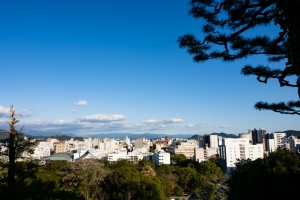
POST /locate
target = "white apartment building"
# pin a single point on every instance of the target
(275, 140)
(270, 145)
(294, 143)
(161, 157)
(111, 157)
(42, 150)
(237, 148)
(279, 140)
(109, 144)
(213, 141)
(84, 146)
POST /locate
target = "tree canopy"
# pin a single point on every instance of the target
(276, 176)
(226, 37)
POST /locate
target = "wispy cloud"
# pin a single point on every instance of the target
(72, 111)
(81, 103)
(98, 123)
(164, 121)
(103, 118)
(225, 126)
(190, 126)
(5, 112)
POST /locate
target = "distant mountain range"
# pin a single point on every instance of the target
(292, 132)
(3, 135)
(45, 133)
(224, 135)
(67, 136)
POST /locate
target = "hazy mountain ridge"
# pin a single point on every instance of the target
(64, 136)
(3, 135)
(292, 132)
(224, 135)
(68, 136)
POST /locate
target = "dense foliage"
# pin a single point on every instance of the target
(94, 179)
(277, 176)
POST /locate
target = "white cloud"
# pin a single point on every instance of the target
(172, 120)
(103, 118)
(64, 122)
(4, 112)
(151, 121)
(98, 123)
(72, 111)
(81, 103)
(164, 121)
(37, 121)
(190, 126)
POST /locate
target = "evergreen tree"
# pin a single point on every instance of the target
(276, 176)
(15, 146)
(226, 39)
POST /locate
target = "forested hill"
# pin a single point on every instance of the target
(224, 135)
(292, 132)
(59, 137)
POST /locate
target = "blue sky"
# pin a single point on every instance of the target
(89, 67)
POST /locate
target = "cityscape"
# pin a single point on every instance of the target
(251, 145)
(150, 100)
(222, 150)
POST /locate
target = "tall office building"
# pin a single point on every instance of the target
(211, 141)
(275, 140)
(138, 143)
(257, 135)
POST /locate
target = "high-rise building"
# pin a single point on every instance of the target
(257, 135)
(138, 143)
(275, 140)
(211, 140)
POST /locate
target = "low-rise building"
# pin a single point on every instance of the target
(202, 154)
(185, 147)
(161, 157)
(43, 149)
(131, 156)
(59, 147)
(293, 143)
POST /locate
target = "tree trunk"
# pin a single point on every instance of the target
(11, 149)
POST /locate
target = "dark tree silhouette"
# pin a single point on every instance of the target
(276, 176)
(226, 39)
(15, 146)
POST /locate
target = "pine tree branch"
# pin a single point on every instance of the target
(292, 107)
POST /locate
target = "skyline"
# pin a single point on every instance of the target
(99, 67)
